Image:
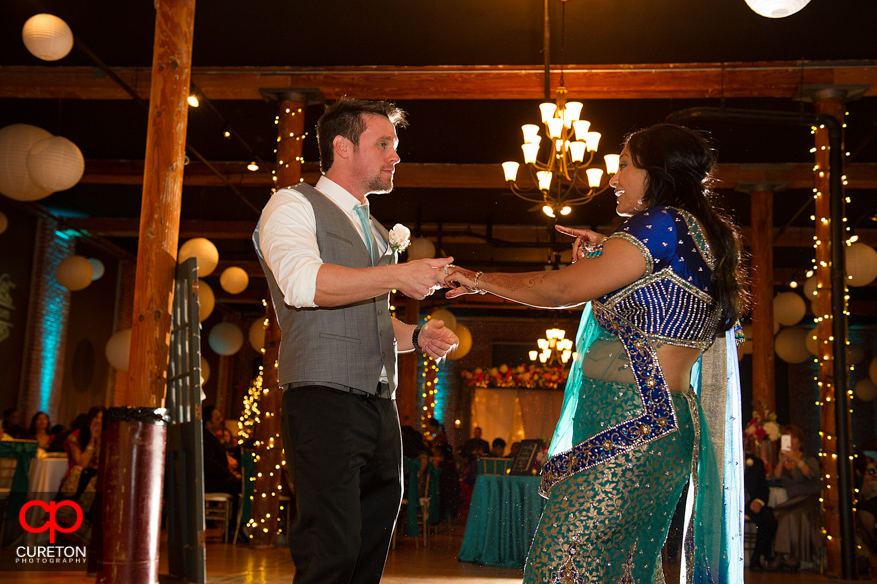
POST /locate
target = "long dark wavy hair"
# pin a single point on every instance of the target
(679, 162)
(85, 430)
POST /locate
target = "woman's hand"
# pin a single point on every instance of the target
(460, 281)
(585, 240)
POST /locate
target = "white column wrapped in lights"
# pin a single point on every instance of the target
(234, 280)
(56, 164)
(74, 273)
(202, 249)
(118, 349)
(860, 262)
(47, 37)
(226, 339)
(556, 183)
(15, 143)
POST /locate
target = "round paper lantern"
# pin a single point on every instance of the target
(776, 8)
(865, 390)
(776, 327)
(74, 273)
(791, 345)
(205, 370)
(810, 288)
(206, 300)
(812, 343)
(445, 316)
(234, 280)
(788, 308)
(746, 347)
(97, 267)
(421, 248)
(257, 335)
(15, 142)
(226, 338)
(860, 261)
(56, 164)
(462, 349)
(47, 37)
(202, 249)
(872, 370)
(118, 349)
(4, 223)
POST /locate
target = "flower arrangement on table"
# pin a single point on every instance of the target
(527, 376)
(763, 425)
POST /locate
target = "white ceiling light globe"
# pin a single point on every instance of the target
(776, 8)
(47, 37)
(15, 143)
(56, 164)
(202, 249)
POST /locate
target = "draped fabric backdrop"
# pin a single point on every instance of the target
(516, 414)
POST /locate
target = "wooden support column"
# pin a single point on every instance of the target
(761, 248)
(831, 102)
(269, 455)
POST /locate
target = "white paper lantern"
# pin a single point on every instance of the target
(860, 262)
(465, 336)
(788, 308)
(202, 249)
(97, 267)
(206, 300)
(791, 345)
(445, 316)
(4, 223)
(257, 335)
(776, 327)
(47, 37)
(810, 288)
(865, 390)
(776, 8)
(205, 370)
(56, 164)
(421, 248)
(226, 338)
(118, 349)
(812, 343)
(15, 142)
(746, 347)
(872, 370)
(234, 280)
(74, 273)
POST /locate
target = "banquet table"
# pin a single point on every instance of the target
(502, 520)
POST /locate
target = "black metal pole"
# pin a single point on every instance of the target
(838, 322)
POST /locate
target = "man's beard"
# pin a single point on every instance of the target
(378, 185)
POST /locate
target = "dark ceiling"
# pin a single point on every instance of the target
(324, 33)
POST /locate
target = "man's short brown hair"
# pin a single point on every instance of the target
(345, 118)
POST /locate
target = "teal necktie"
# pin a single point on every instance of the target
(362, 211)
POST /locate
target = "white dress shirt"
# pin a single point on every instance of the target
(288, 239)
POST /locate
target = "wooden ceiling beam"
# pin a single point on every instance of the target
(860, 175)
(647, 81)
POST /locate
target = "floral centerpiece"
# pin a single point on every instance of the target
(763, 425)
(528, 376)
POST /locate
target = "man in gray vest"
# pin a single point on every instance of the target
(330, 268)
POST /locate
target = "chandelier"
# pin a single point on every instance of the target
(556, 181)
(553, 350)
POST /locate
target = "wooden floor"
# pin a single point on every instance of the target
(407, 564)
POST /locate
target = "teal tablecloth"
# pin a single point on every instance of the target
(24, 451)
(502, 520)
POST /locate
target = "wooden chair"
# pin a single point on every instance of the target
(7, 471)
(217, 507)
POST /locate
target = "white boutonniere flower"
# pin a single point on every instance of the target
(400, 238)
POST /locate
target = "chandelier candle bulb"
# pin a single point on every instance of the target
(582, 127)
(595, 176)
(548, 211)
(577, 151)
(555, 127)
(547, 110)
(511, 170)
(593, 140)
(544, 177)
(530, 152)
(571, 112)
(531, 134)
(566, 210)
(611, 163)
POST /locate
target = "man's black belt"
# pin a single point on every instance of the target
(382, 391)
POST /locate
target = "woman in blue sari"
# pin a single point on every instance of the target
(633, 432)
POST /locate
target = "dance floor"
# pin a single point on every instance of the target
(407, 564)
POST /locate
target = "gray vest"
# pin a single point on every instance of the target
(344, 346)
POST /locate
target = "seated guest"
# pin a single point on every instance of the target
(497, 449)
(10, 424)
(436, 431)
(39, 430)
(757, 493)
(866, 504)
(80, 482)
(514, 449)
(798, 518)
(475, 440)
(218, 477)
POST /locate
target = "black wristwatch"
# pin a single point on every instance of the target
(414, 336)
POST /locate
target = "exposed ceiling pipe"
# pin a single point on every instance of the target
(838, 321)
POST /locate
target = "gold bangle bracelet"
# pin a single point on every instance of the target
(475, 283)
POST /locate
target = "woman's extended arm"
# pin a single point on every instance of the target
(620, 264)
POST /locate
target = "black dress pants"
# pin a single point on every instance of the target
(766, 529)
(344, 454)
